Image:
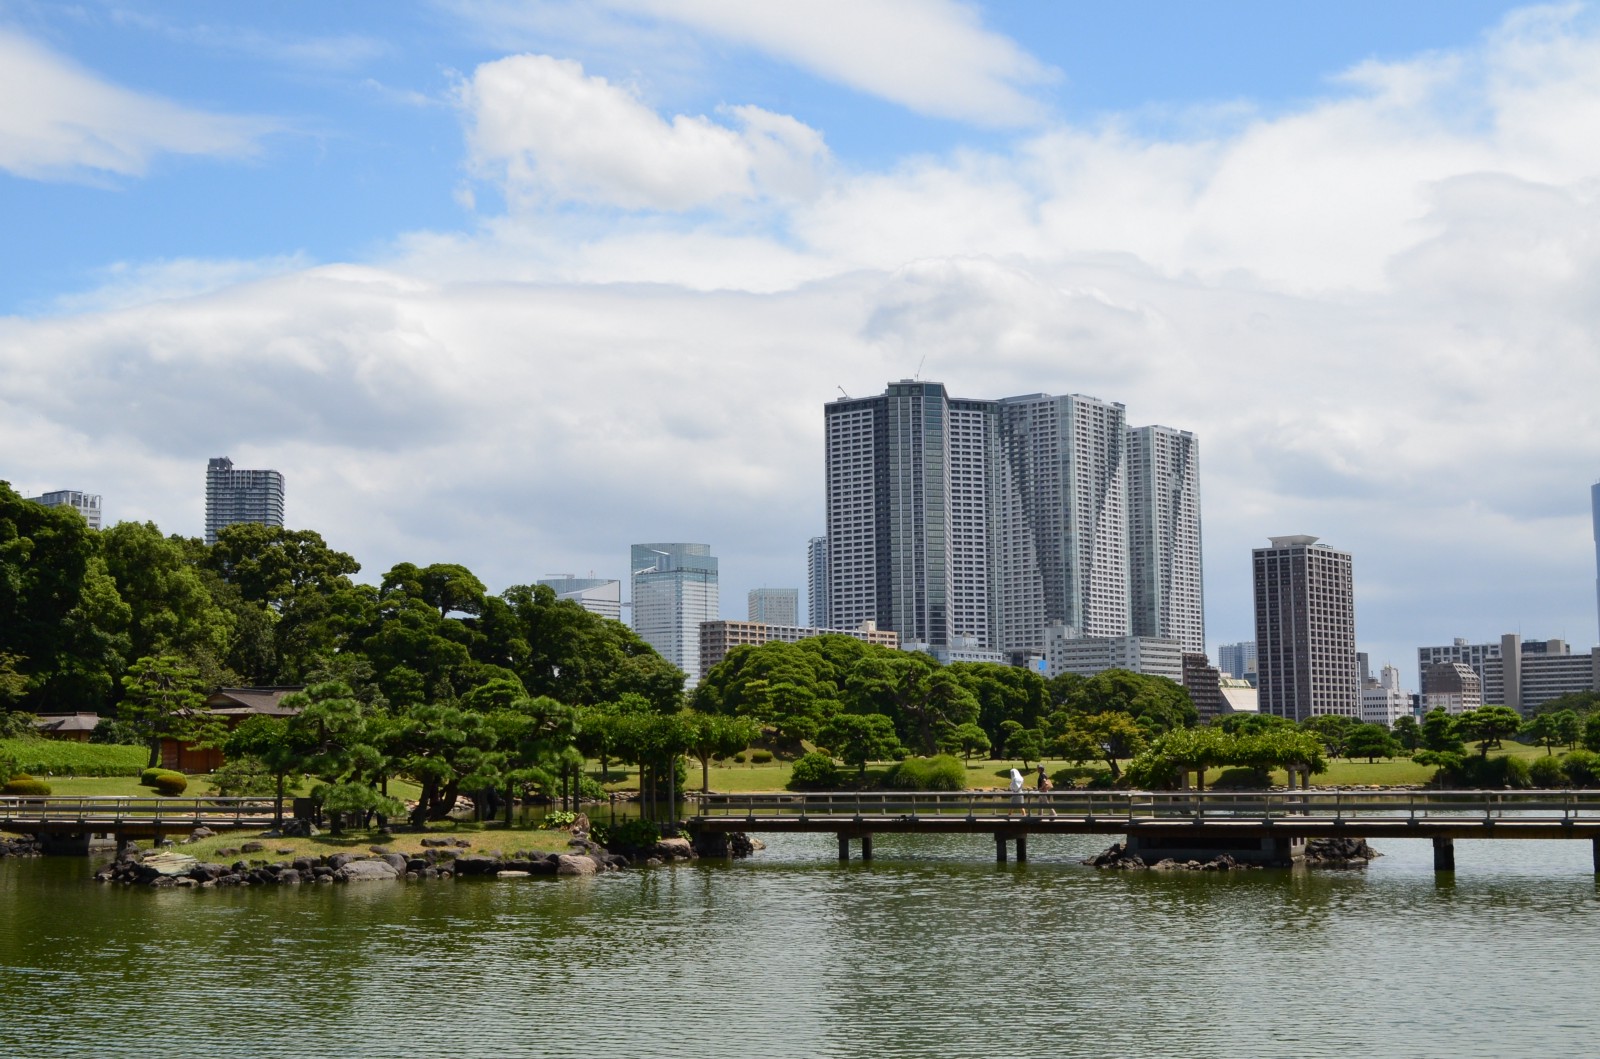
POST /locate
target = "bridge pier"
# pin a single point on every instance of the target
(1444, 853)
(1000, 839)
(844, 846)
(1594, 843)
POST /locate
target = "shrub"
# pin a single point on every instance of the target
(556, 819)
(591, 790)
(760, 757)
(942, 773)
(1547, 772)
(26, 785)
(738, 759)
(1478, 772)
(1582, 768)
(1241, 779)
(152, 777)
(635, 835)
(171, 784)
(815, 771)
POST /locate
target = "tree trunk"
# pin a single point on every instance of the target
(277, 806)
(510, 798)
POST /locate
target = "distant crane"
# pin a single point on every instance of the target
(847, 397)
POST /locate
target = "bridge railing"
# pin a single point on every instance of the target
(19, 811)
(1435, 806)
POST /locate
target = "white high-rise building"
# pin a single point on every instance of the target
(234, 496)
(981, 524)
(597, 595)
(85, 504)
(817, 583)
(674, 590)
(1238, 660)
(774, 606)
(1168, 598)
(1305, 630)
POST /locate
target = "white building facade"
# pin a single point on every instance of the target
(234, 496)
(594, 594)
(85, 504)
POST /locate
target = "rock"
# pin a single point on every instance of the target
(289, 877)
(366, 871)
(339, 860)
(1339, 852)
(297, 829)
(253, 847)
(507, 873)
(200, 832)
(673, 849)
(380, 850)
(167, 863)
(570, 864)
(397, 861)
(228, 851)
(434, 841)
(286, 851)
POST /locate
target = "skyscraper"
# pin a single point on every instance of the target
(774, 606)
(1164, 536)
(85, 504)
(984, 523)
(817, 584)
(1305, 629)
(240, 496)
(1238, 660)
(674, 590)
(1594, 500)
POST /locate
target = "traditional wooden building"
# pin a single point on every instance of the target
(232, 705)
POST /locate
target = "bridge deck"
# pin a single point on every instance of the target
(1297, 814)
(132, 817)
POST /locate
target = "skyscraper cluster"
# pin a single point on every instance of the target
(984, 523)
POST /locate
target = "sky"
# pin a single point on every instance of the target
(519, 284)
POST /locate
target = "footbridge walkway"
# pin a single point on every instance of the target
(1259, 826)
(78, 823)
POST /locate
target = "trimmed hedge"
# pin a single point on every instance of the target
(26, 785)
(61, 757)
(171, 783)
(942, 773)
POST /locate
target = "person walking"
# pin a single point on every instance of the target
(1016, 791)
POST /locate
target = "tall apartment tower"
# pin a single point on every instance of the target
(1166, 596)
(674, 590)
(774, 606)
(818, 613)
(240, 496)
(1061, 485)
(85, 504)
(1594, 500)
(1305, 630)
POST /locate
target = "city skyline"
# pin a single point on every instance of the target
(354, 245)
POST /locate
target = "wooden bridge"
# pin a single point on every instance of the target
(79, 823)
(1264, 827)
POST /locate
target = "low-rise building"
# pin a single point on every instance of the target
(1150, 655)
(1452, 687)
(717, 638)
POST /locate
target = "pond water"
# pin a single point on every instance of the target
(930, 950)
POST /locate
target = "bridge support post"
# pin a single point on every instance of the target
(999, 848)
(1022, 848)
(1594, 843)
(866, 847)
(1444, 854)
(844, 848)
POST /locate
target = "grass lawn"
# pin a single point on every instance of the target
(484, 838)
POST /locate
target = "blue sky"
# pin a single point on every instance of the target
(1348, 245)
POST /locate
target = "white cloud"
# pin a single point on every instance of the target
(62, 122)
(932, 56)
(547, 132)
(1376, 311)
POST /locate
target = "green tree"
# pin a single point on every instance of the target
(171, 611)
(1370, 741)
(279, 748)
(1488, 725)
(966, 740)
(857, 738)
(161, 698)
(1591, 733)
(1439, 732)
(1407, 732)
(1160, 704)
(1543, 730)
(709, 735)
(1333, 729)
(1111, 737)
